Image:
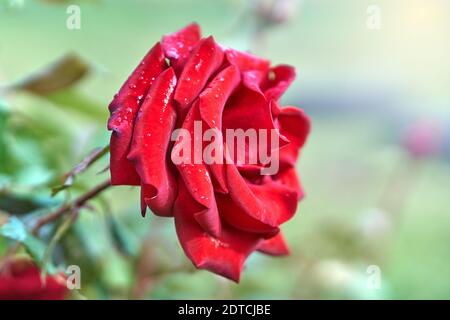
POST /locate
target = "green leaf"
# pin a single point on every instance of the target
(14, 229)
(61, 74)
(76, 101)
(23, 203)
(4, 109)
(126, 241)
(60, 232)
(4, 115)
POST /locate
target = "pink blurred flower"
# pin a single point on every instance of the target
(423, 138)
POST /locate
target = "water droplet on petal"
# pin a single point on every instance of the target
(198, 65)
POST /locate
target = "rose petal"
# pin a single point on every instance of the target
(275, 246)
(178, 45)
(236, 216)
(201, 64)
(268, 202)
(211, 103)
(246, 61)
(248, 109)
(289, 178)
(224, 255)
(295, 125)
(277, 81)
(216, 94)
(154, 125)
(124, 108)
(197, 178)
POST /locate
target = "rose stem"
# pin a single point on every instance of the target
(80, 201)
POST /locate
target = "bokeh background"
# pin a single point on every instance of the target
(375, 169)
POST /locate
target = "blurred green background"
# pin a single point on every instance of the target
(371, 199)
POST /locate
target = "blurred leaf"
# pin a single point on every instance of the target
(37, 128)
(4, 109)
(90, 159)
(56, 1)
(60, 232)
(3, 247)
(15, 229)
(76, 101)
(116, 273)
(92, 234)
(22, 204)
(4, 114)
(61, 74)
(125, 240)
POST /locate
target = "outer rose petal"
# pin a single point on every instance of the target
(124, 108)
(275, 246)
(201, 64)
(246, 61)
(149, 150)
(178, 45)
(277, 81)
(224, 255)
(236, 216)
(198, 181)
(295, 125)
(289, 178)
(269, 202)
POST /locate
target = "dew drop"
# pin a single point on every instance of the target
(198, 65)
(272, 76)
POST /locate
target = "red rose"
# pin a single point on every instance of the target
(223, 211)
(20, 279)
